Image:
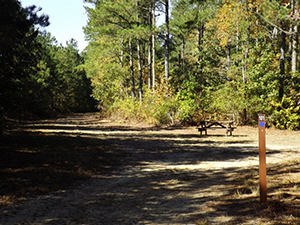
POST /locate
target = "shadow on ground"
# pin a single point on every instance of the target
(139, 182)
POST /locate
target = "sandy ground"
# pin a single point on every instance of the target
(169, 176)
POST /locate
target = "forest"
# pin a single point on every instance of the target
(157, 61)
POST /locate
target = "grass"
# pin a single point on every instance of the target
(283, 206)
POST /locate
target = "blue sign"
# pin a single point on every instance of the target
(261, 124)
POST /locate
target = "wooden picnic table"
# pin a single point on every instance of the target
(213, 124)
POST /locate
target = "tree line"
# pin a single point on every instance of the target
(185, 60)
(38, 77)
(159, 61)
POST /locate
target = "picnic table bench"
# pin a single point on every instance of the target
(208, 124)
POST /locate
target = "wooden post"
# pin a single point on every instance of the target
(262, 158)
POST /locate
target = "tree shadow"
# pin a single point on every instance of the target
(139, 177)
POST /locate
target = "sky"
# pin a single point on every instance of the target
(67, 17)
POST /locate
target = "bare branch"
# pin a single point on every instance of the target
(273, 24)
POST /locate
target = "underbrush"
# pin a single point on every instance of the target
(156, 109)
(184, 107)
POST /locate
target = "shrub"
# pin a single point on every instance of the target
(287, 115)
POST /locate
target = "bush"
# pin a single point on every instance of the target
(155, 109)
(287, 115)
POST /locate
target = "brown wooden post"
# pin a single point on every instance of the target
(262, 158)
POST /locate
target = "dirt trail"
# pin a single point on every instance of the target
(167, 176)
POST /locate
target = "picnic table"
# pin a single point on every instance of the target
(213, 124)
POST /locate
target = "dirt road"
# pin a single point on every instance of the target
(170, 176)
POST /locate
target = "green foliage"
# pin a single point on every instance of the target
(187, 100)
(38, 77)
(228, 100)
(17, 51)
(108, 79)
(56, 84)
(125, 110)
(262, 82)
(224, 59)
(156, 109)
(286, 115)
(166, 110)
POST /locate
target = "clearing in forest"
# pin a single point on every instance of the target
(84, 170)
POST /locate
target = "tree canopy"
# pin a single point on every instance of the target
(233, 58)
(37, 76)
(159, 61)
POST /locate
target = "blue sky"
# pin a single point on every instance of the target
(67, 17)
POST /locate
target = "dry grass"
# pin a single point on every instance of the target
(149, 170)
(35, 163)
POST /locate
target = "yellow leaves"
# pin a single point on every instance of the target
(255, 4)
(223, 42)
(95, 82)
(229, 21)
(224, 22)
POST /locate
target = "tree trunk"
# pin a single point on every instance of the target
(182, 55)
(247, 45)
(131, 70)
(122, 65)
(228, 54)
(140, 70)
(282, 65)
(122, 53)
(144, 59)
(149, 63)
(289, 58)
(237, 47)
(246, 58)
(139, 61)
(294, 39)
(200, 40)
(167, 40)
(200, 47)
(153, 48)
(294, 48)
(150, 47)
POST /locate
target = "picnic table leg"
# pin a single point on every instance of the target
(228, 129)
(203, 128)
(230, 132)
